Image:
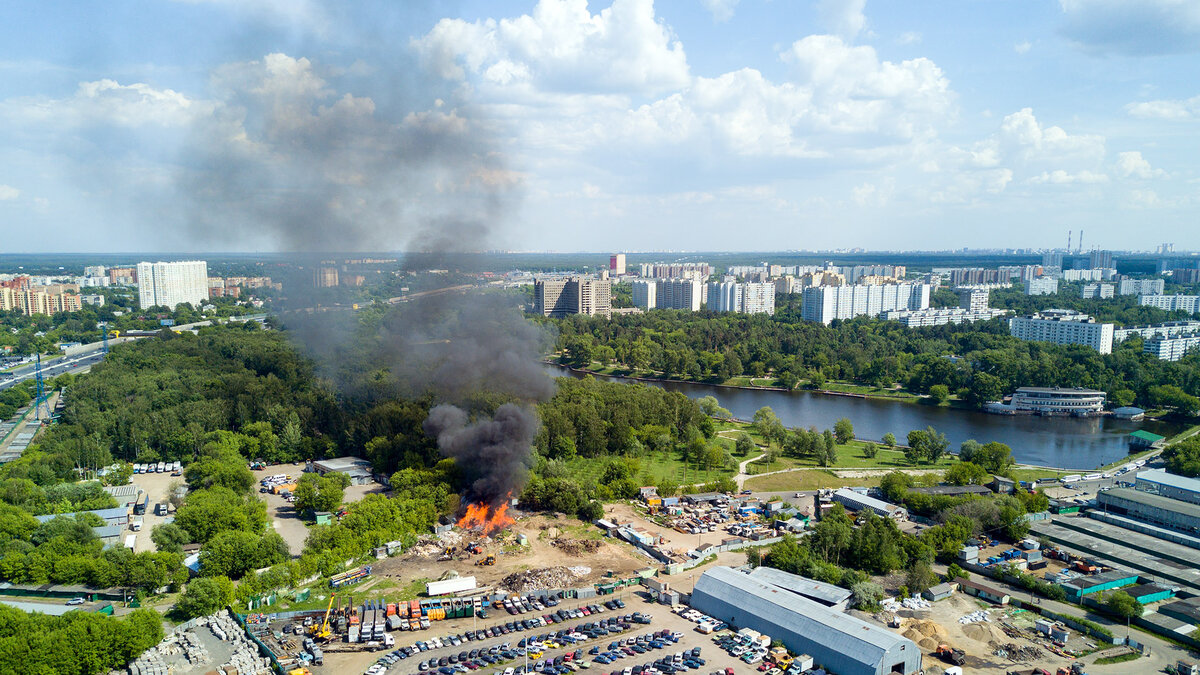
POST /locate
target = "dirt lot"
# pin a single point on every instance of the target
(284, 518)
(940, 624)
(155, 485)
(541, 531)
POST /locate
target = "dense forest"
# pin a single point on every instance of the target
(979, 362)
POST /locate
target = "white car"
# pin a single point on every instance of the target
(76, 601)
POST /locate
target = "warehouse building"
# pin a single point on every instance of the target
(837, 641)
(1098, 583)
(856, 501)
(1187, 611)
(985, 592)
(1159, 482)
(357, 468)
(939, 592)
(1148, 593)
(113, 516)
(1152, 508)
(817, 591)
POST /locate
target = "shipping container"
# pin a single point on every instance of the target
(130, 540)
(450, 586)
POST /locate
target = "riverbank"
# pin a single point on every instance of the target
(848, 389)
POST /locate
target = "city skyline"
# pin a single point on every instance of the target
(604, 126)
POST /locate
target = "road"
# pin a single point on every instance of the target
(58, 367)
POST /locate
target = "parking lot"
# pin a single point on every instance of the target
(661, 618)
(157, 486)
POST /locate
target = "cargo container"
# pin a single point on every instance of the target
(130, 541)
(352, 577)
(450, 586)
(284, 487)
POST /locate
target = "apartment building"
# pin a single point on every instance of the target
(574, 295)
(746, 298)
(920, 318)
(1172, 303)
(645, 294)
(1140, 287)
(1063, 327)
(1096, 291)
(1171, 348)
(824, 304)
(1041, 286)
(170, 284)
(616, 263)
(1168, 329)
(681, 293)
(32, 300)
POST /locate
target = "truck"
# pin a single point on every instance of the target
(160, 509)
(950, 655)
(136, 524)
(450, 586)
(130, 541)
(140, 506)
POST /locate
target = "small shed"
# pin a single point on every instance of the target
(1148, 593)
(1144, 440)
(1003, 485)
(939, 592)
(984, 592)
(323, 517)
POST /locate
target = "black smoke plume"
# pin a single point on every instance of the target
(491, 454)
(287, 160)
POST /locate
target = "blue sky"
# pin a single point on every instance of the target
(618, 125)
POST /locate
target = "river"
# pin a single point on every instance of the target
(1068, 442)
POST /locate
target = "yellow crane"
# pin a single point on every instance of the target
(321, 631)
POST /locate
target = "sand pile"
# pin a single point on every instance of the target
(983, 632)
(927, 634)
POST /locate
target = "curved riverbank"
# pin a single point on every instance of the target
(1069, 443)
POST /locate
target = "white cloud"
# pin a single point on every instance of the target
(1023, 47)
(1021, 132)
(308, 14)
(8, 192)
(110, 102)
(1061, 177)
(842, 17)
(1166, 109)
(722, 10)
(562, 47)
(909, 38)
(1132, 165)
(1137, 28)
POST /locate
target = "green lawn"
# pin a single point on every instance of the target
(656, 465)
(806, 480)
(850, 456)
(850, 388)
(1032, 474)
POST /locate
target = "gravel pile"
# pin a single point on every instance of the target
(540, 579)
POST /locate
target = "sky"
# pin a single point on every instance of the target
(263, 125)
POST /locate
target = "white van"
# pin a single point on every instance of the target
(1073, 478)
(1093, 476)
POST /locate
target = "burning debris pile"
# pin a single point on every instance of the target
(544, 578)
(576, 546)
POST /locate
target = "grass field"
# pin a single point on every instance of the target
(656, 466)
(809, 479)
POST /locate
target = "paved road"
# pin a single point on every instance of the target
(55, 368)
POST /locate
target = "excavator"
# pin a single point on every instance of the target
(321, 631)
(486, 562)
(448, 553)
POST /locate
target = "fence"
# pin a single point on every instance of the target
(676, 568)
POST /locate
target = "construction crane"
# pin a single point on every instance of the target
(321, 631)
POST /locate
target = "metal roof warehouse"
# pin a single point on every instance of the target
(842, 643)
(357, 468)
(817, 591)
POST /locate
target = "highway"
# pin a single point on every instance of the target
(65, 365)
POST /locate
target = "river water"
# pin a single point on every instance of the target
(1068, 442)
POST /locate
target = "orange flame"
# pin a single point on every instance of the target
(486, 518)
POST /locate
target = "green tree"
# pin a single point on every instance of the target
(843, 430)
(744, 445)
(710, 407)
(966, 473)
(984, 388)
(919, 578)
(889, 439)
(205, 596)
(768, 425)
(1174, 398)
(955, 572)
(169, 537)
(1123, 605)
(870, 450)
(939, 393)
(867, 595)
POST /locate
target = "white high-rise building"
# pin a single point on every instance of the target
(973, 298)
(827, 303)
(686, 293)
(1140, 287)
(1100, 259)
(170, 284)
(645, 294)
(1041, 286)
(758, 298)
(616, 263)
(1171, 348)
(1171, 303)
(1096, 291)
(725, 297)
(1063, 327)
